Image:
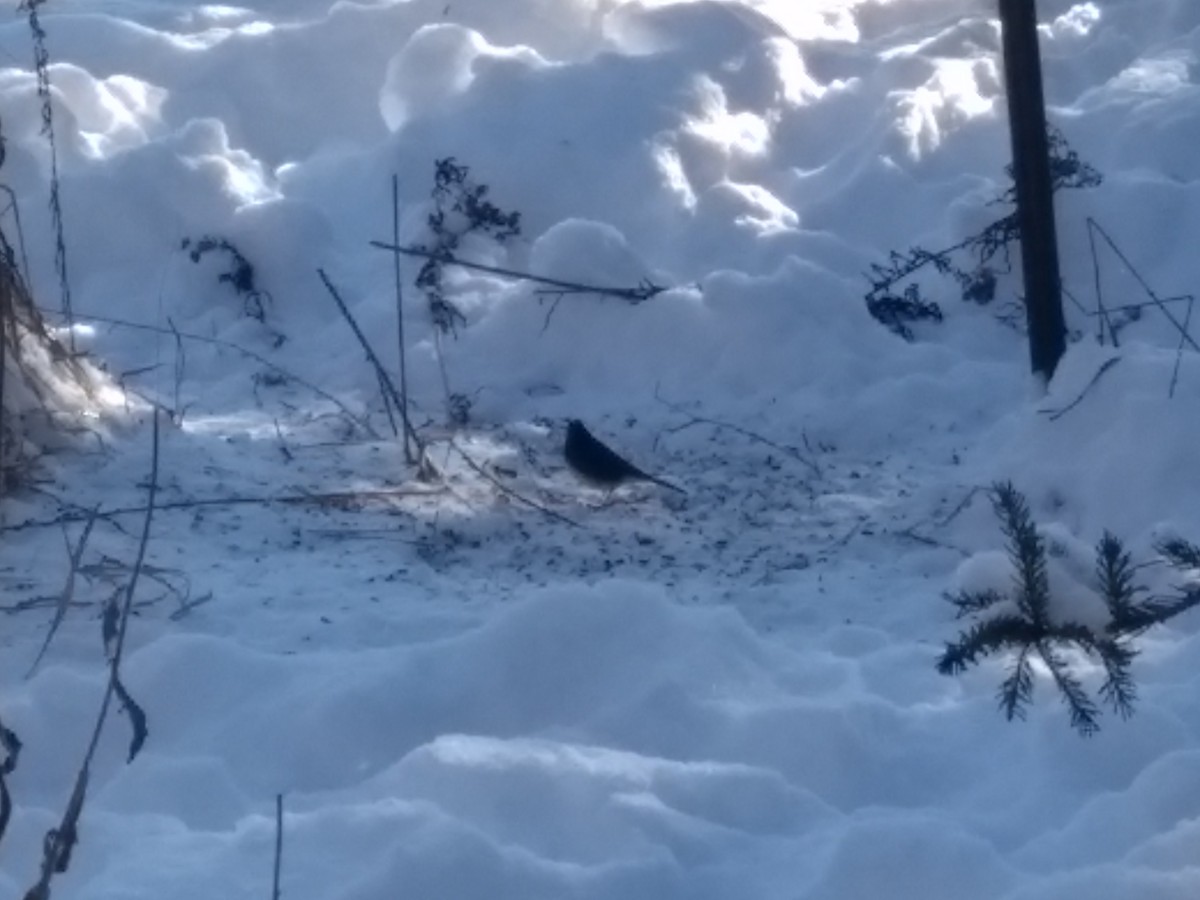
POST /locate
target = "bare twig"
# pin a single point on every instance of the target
(694, 420)
(381, 372)
(408, 450)
(26, 273)
(288, 456)
(913, 535)
(60, 841)
(68, 591)
(509, 492)
(642, 292)
(962, 504)
(387, 408)
(1157, 301)
(1101, 313)
(114, 571)
(444, 373)
(186, 607)
(1056, 414)
(30, 603)
(284, 499)
(553, 307)
(852, 533)
(275, 895)
(180, 371)
(122, 629)
(1187, 321)
(358, 421)
(5, 311)
(41, 64)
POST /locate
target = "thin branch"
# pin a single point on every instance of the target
(553, 306)
(1187, 321)
(380, 371)
(180, 371)
(507, 491)
(187, 606)
(1056, 414)
(250, 354)
(275, 894)
(60, 841)
(409, 457)
(1101, 313)
(5, 310)
(1154, 298)
(127, 606)
(643, 292)
(387, 407)
(41, 64)
(913, 535)
(962, 504)
(44, 602)
(68, 591)
(288, 456)
(301, 498)
(745, 432)
(26, 273)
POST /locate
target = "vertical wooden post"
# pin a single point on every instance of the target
(1035, 194)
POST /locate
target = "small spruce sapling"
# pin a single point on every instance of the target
(1027, 630)
(1184, 557)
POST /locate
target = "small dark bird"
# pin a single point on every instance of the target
(599, 464)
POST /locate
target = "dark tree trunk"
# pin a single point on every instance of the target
(1035, 195)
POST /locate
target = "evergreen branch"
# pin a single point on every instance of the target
(1140, 615)
(1116, 656)
(1119, 690)
(985, 639)
(1156, 611)
(1016, 691)
(986, 252)
(1114, 569)
(1026, 550)
(973, 602)
(1084, 713)
(1179, 553)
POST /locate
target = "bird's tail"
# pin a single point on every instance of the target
(663, 483)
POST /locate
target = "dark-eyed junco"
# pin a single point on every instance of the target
(600, 465)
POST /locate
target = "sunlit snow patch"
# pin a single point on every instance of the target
(1076, 22)
(439, 62)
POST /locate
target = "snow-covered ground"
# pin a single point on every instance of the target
(497, 685)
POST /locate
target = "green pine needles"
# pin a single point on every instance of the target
(1020, 622)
